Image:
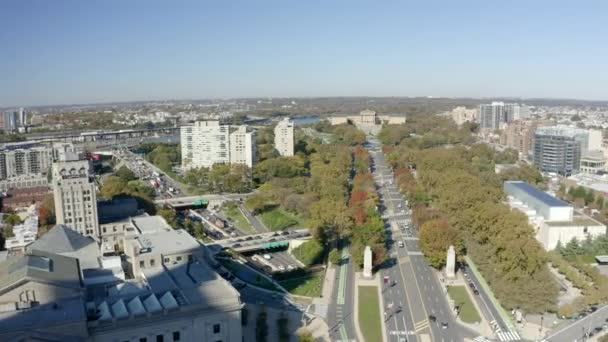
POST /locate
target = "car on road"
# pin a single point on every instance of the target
(444, 325)
(281, 268)
(476, 292)
(432, 318)
(267, 256)
(401, 244)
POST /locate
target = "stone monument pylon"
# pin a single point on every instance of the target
(367, 262)
(450, 265)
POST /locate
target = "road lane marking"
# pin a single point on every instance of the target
(419, 326)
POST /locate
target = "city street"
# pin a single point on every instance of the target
(425, 310)
(341, 311)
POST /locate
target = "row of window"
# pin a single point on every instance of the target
(177, 336)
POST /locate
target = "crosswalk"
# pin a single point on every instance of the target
(481, 339)
(504, 336)
(421, 325)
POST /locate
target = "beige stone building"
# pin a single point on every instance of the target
(164, 289)
(519, 135)
(368, 120)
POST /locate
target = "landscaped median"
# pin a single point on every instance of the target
(309, 286)
(370, 321)
(467, 311)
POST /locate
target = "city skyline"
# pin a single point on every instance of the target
(74, 53)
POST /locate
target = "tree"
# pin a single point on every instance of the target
(335, 257)
(589, 197)
(436, 237)
(305, 336)
(125, 174)
(12, 219)
(599, 202)
(169, 215)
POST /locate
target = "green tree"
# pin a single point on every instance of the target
(335, 257)
(169, 215)
(436, 237)
(125, 174)
(306, 336)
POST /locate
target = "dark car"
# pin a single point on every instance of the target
(236, 245)
(275, 234)
(272, 240)
(592, 309)
(249, 238)
(285, 233)
(476, 292)
(432, 318)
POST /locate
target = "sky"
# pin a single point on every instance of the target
(67, 52)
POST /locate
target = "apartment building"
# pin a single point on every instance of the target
(283, 137)
(493, 116)
(207, 143)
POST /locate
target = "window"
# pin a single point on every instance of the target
(143, 339)
(179, 258)
(167, 260)
(585, 230)
(160, 338)
(176, 336)
(152, 262)
(216, 328)
(141, 264)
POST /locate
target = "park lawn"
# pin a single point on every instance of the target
(305, 286)
(369, 313)
(277, 219)
(238, 219)
(460, 296)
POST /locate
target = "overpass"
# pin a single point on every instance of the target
(269, 240)
(183, 202)
(88, 136)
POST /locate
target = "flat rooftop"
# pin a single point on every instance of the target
(576, 221)
(537, 194)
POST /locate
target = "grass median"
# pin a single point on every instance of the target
(369, 313)
(277, 219)
(460, 296)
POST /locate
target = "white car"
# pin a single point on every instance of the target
(401, 244)
(267, 256)
(281, 268)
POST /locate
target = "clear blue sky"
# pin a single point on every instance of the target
(55, 52)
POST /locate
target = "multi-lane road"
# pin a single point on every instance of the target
(340, 318)
(412, 284)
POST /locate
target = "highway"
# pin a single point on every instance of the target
(417, 288)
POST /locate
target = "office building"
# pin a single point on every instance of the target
(207, 143)
(75, 196)
(493, 116)
(243, 146)
(558, 149)
(11, 120)
(554, 220)
(283, 138)
(65, 289)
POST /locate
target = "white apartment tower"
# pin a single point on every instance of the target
(207, 143)
(204, 144)
(75, 198)
(283, 137)
(242, 147)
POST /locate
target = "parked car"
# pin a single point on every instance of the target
(267, 256)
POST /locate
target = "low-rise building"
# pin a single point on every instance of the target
(593, 162)
(20, 198)
(554, 220)
(368, 120)
(64, 289)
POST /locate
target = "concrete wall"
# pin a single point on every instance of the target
(549, 236)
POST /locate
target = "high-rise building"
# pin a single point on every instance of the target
(22, 117)
(519, 135)
(75, 198)
(207, 143)
(11, 121)
(283, 138)
(204, 144)
(242, 146)
(491, 116)
(558, 149)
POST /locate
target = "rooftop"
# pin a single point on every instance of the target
(538, 194)
(46, 267)
(167, 242)
(150, 224)
(577, 221)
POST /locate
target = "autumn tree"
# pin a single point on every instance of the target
(436, 236)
